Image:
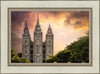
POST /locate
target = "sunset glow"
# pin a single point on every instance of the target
(67, 26)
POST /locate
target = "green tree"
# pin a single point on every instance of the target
(80, 50)
(64, 56)
(16, 59)
(52, 59)
(61, 57)
(76, 52)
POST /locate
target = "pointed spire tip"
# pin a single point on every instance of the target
(37, 18)
(49, 23)
(25, 23)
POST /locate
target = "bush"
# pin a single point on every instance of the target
(52, 59)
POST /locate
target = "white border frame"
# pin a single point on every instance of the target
(49, 9)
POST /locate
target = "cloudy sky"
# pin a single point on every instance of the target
(67, 26)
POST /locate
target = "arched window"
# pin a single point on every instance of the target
(38, 60)
(49, 41)
(49, 49)
(38, 49)
(25, 51)
(25, 41)
(37, 41)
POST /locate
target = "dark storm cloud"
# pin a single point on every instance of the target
(18, 19)
(17, 16)
(77, 19)
(79, 14)
(78, 22)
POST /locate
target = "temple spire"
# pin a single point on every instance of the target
(37, 28)
(26, 31)
(37, 18)
(25, 23)
(49, 24)
(49, 31)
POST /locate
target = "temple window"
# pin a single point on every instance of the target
(25, 41)
(26, 51)
(37, 41)
(38, 59)
(49, 41)
(37, 49)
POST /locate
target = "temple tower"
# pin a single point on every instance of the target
(37, 50)
(26, 43)
(49, 42)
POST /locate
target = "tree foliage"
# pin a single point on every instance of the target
(52, 59)
(76, 52)
(17, 59)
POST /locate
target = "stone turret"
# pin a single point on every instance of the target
(26, 42)
(49, 42)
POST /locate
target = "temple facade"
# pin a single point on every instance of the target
(37, 51)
